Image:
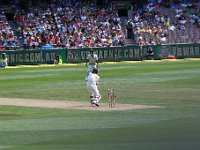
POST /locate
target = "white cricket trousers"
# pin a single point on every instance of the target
(93, 90)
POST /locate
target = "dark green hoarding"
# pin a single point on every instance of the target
(127, 53)
(106, 54)
(30, 57)
(180, 50)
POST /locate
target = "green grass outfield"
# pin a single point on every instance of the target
(173, 85)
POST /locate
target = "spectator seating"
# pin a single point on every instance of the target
(75, 25)
(155, 23)
(7, 38)
(80, 24)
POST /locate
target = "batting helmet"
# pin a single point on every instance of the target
(95, 70)
(3, 55)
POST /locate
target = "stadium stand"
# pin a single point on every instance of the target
(72, 25)
(87, 23)
(166, 23)
(8, 40)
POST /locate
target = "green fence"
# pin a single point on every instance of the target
(105, 54)
(186, 51)
(128, 53)
(31, 57)
(180, 50)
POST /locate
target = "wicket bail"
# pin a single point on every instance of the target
(111, 98)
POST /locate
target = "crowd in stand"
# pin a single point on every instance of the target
(71, 25)
(7, 37)
(80, 24)
(151, 25)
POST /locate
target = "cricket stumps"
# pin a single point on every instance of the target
(111, 98)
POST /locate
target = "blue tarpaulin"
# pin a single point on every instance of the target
(47, 46)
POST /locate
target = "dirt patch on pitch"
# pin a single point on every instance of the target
(68, 104)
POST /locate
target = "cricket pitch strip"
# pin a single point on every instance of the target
(69, 104)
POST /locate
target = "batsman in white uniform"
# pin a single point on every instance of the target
(91, 63)
(92, 87)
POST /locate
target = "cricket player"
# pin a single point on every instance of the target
(92, 87)
(3, 60)
(91, 63)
